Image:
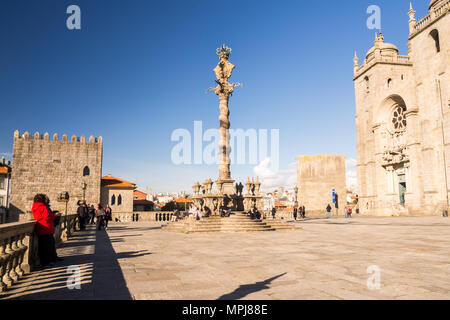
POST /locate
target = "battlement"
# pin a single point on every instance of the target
(46, 137)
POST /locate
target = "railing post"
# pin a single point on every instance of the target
(27, 243)
(20, 252)
(10, 260)
(3, 264)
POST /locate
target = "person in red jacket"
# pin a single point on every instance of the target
(44, 229)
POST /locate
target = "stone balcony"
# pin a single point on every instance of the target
(394, 59)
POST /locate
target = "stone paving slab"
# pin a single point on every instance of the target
(326, 259)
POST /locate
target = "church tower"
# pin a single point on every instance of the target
(403, 119)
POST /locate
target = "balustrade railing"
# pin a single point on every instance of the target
(18, 247)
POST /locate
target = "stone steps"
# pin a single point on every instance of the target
(237, 222)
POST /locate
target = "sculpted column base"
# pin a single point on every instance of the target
(227, 186)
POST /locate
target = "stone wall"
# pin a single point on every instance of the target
(317, 177)
(41, 165)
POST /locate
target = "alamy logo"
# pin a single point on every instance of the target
(249, 146)
(374, 21)
(374, 280)
(73, 22)
(74, 280)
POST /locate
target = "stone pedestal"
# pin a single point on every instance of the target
(227, 186)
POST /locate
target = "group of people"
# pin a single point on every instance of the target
(88, 214)
(348, 211)
(46, 221)
(196, 213)
(300, 212)
(254, 213)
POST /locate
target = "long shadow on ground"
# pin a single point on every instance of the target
(246, 289)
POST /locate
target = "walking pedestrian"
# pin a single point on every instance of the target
(303, 212)
(108, 215)
(82, 213)
(329, 211)
(100, 215)
(274, 212)
(91, 214)
(295, 214)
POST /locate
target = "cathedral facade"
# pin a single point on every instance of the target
(403, 120)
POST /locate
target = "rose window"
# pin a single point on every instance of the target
(399, 119)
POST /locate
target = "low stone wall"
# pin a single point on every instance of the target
(143, 216)
(18, 247)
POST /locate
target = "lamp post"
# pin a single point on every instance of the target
(296, 196)
(84, 187)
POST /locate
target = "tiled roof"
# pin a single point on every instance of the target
(183, 200)
(142, 202)
(113, 182)
(4, 169)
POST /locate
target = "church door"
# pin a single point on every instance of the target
(402, 188)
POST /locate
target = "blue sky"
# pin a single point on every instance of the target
(137, 70)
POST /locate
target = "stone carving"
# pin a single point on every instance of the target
(223, 90)
(397, 152)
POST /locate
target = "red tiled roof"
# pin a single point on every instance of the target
(113, 182)
(142, 202)
(183, 200)
(139, 195)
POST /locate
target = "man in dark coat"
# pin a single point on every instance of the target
(82, 213)
(295, 213)
(274, 211)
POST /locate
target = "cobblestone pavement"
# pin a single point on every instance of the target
(326, 259)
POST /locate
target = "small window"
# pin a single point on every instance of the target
(1, 202)
(113, 200)
(86, 171)
(2, 183)
(435, 35)
(119, 200)
(389, 82)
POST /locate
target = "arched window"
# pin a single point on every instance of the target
(435, 35)
(389, 82)
(86, 171)
(119, 200)
(113, 200)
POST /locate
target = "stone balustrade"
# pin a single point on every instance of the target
(434, 15)
(18, 247)
(143, 216)
(394, 59)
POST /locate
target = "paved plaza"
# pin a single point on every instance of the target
(325, 259)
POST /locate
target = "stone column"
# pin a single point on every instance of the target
(224, 90)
